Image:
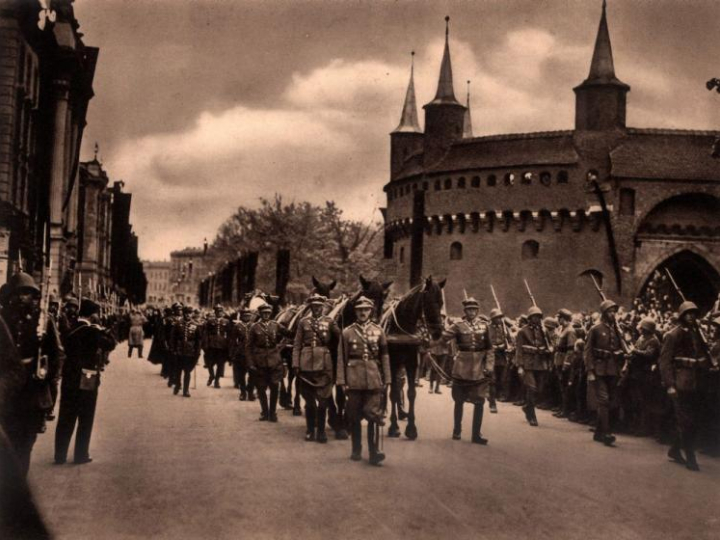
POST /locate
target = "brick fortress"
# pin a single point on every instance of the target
(551, 207)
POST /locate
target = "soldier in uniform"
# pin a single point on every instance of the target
(473, 368)
(84, 345)
(684, 363)
(564, 353)
(216, 345)
(25, 415)
(603, 358)
(441, 353)
(312, 363)
(533, 356)
(264, 360)
(363, 371)
(185, 345)
(238, 352)
(502, 349)
(641, 366)
(170, 363)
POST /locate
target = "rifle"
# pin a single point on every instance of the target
(41, 362)
(502, 322)
(701, 334)
(627, 349)
(542, 326)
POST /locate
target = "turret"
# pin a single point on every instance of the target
(444, 116)
(407, 138)
(600, 101)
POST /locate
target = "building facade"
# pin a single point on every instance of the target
(158, 282)
(125, 266)
(554, 208)
(187, 269)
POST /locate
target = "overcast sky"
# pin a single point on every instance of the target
(205, 105)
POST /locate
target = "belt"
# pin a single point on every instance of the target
(471, 349)
(363, 358)
(534, 350)
(28, 360)
(687, 362)
(602, 353)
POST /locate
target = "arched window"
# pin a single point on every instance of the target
(456, 251)
(414, 187)
(402, 255)
(448, 183)
(461, 183)
(475, 182)
(527, 178)
(592, 273)
(509, 179)
(562, 177)
(627, 202)
(491, 180)
(437, 185)
(425, 186)
(530, 250)
(545, 178)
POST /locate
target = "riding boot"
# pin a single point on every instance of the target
(321, 437)
(356, 435)
(262, 397)
(310, 424)
(458, 415)
(477, 423)
(211, 375)
(274, 391)
(376, 457)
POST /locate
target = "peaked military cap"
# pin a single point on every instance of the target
(364, 303)
(534, 310)
(495, 312)
(470, 303)
(245, 310)
(607, 304)
(685, 307)
(550, 322)
(316, 299)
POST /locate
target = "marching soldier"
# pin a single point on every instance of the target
(215, 345)
(473, 368)
(564, 353)
(84, 345)
(238, 351)
(502, 349)
(26, 412)
(264, 360)
(533, 353)
(312, 364)
(185, 345)
(603, 358)
(169, 363)
(684, 362)
(363, 371)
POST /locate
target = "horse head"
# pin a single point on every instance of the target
(433, 306)
(375, 291)
(321, 288)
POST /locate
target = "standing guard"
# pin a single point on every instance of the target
(564, 353)
(170, 363)
(473, 369)
(363, 370)
(684, 362)
(185, 345)
(604, 355)
(238, 353)
(502, 350)
(533, 353)
(642, 367)
(216, 345)
(264, 360)
(312, 363)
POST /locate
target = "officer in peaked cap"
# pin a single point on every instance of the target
(363, 370)
(186, 345)
(533, 357)
(604, 358)
(315, 338)
(216, 345)
(238, 344)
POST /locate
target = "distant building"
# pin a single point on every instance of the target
(125, 266)
(603, 199)
(187, 269)
(157, 274)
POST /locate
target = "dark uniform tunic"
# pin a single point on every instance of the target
(312, 356)
(533, 356)
(501, 340)
(364, 368)
(263, 353)
(216, 345)
(475, 360)
(84, 347)
(238, 338)
(185, 345)
(603, 359)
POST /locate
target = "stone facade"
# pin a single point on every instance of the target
(551, 208)
(158, 282)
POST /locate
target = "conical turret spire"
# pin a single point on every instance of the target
(409, 119)
(602, 67)
(445, 92)
(467, 124)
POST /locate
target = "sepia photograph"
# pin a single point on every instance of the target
(359, 269)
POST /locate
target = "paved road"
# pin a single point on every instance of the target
(168, 467)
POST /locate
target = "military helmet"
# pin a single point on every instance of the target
(70, 300)
(316, 299)
(647, 324)
(470, 303)
(364, 303)
(187, 309)
(264, 307)
(495, 312)
(607, 304)
(550, 322)
(534, 310)
(20, 281)
(685, 307)
(565, 314)
(88, 307)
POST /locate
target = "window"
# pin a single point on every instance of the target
(425, 186)
(527, 178)
(530, 250)
(562, 177)
(448, 183)
(402, 255)
(509, 179)
(492, 180)
(437, 185)
(627, 202)
(475, 182)
(456, 251)
(414, 188)
(461, 183)
(545, 178)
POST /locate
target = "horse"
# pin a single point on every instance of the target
(422, 304)
(343, 314)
